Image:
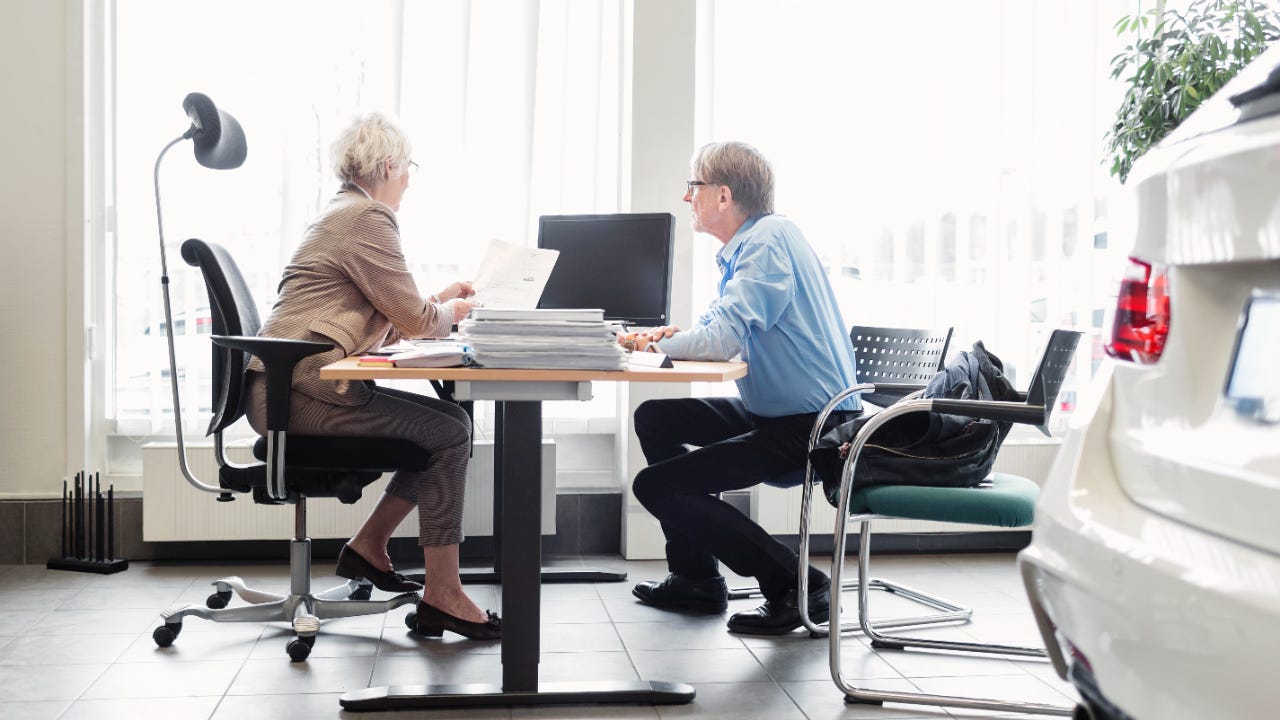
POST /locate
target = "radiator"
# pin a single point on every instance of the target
(778, 510)
(173, 510)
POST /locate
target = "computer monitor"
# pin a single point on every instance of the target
(621, 263)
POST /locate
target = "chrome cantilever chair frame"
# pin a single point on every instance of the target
(1035, 410)
(879, 640)
(947, 611)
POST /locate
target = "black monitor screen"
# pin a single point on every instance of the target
(621, 263)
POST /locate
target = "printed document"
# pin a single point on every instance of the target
(513, 276)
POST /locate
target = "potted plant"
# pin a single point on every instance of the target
(1178, 58)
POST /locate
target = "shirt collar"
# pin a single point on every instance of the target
(731, 248)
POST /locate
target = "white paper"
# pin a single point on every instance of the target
(513, 276)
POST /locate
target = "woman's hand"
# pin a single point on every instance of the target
(459, 308)
(460, 289)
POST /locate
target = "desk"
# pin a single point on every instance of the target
(518, 396)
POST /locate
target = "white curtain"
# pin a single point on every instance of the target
(513, 108)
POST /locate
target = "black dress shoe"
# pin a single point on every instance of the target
(779, 617)
(432, 622)
(678, 592)
(354, 567)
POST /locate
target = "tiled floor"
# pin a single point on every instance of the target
(76, 646)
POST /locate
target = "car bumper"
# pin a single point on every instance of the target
(1171, 622)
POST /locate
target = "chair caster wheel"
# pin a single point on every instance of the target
(166, 634)
(364, 592)
(299, 648)
(411, 620)
(218, 600)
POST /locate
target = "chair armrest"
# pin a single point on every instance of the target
(993, 410)
(279, 356)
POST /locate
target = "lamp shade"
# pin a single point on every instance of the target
(219, 140)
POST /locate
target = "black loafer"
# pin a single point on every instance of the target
(677, 592)
(779, 617)
(353, 566)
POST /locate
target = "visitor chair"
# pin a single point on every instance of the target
(291, 468)
(899, 361)
(1004, 501)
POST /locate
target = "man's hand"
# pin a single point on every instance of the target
(661, 333)
(460, 289)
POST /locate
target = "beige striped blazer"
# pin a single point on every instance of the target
(348, 284)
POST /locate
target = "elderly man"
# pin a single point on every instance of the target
(776, 309)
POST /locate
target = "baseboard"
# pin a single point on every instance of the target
(30, 532)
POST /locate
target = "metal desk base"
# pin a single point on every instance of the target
(401, 697)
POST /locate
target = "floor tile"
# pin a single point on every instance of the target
(736, 701)
(822, 700)
(324, 706)
(812, 662)
(1014, 688)
(36, 710)
(580, 637)
(597, 666)
(64, 649)
(164, 680)
(92, 638)
(316, 675)
(187, 708)
(678, 632)
(47, 682)
(699, 666)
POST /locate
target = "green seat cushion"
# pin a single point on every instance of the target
(1009, 501)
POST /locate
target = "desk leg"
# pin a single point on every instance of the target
(520, 447)
(564, 575)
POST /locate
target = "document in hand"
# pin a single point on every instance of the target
(440, 354)
(513, 276)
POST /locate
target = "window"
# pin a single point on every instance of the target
(512, 115)
(952, 151)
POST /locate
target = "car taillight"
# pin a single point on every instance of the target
(1142, 314)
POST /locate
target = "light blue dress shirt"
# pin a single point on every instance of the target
(777, 310)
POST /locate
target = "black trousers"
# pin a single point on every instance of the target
(734, 450)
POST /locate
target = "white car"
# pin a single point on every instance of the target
(1154, 568)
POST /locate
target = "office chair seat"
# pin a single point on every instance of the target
(363, 453)
(1009, 502)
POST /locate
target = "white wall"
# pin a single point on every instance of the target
(34, 188)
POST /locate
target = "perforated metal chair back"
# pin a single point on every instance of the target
(898, 361)
(1051, 372)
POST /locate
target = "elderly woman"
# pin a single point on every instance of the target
(348, 285)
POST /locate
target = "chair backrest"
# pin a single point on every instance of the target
(1051, 372)
(234, 313)
(904, 357)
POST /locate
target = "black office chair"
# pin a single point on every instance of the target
(899, 362)
(1002, 501)
(287, 473)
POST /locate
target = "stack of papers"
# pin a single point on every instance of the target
(542, 339)
(436, 354)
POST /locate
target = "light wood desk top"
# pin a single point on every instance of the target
(684, 371)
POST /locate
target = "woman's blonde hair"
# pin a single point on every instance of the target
(361, 151)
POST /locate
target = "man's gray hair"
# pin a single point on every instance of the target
(360, 153)
(743, 168)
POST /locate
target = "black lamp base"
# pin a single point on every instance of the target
(101, 567)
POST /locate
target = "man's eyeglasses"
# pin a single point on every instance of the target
(691, 184)
(413, 168)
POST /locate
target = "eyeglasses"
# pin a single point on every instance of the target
(691, 184)
(413, 168)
